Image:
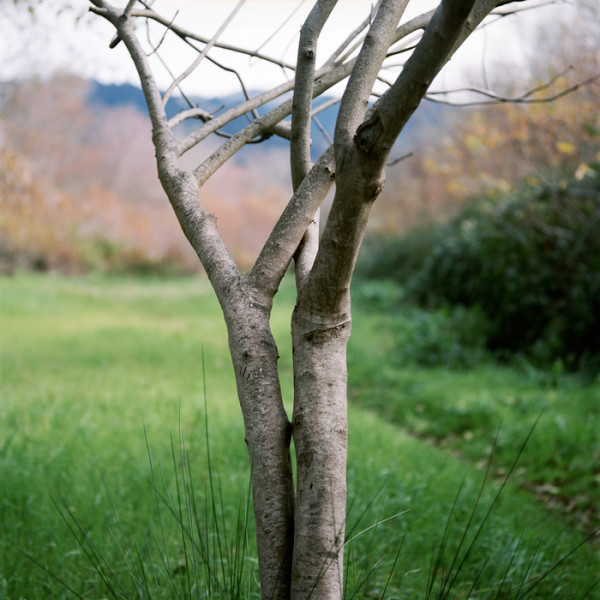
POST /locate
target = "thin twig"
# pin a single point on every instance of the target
(162, 39)
(186, 34)
(278, 29)
(395, 161)
(203, 53)
(497, 99)
(333, 59)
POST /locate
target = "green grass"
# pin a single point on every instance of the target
(87, 366)
(460, 410)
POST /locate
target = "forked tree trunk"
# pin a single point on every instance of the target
(300, 539)
(300, 534)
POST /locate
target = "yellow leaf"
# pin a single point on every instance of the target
(566, 148)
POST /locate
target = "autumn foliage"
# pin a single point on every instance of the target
(79, 189)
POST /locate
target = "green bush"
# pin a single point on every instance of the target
(452, 337)
(396, 259)
(531, 265)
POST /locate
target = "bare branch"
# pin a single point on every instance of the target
(368, 63)
(442, 36)
(129, 8)
(395, 161)
(326, 77)
(203, 132)
(278, 130)
(162, 135)
(264, 124)
(281, 26)
(519, 9)
(189, 35)
(324, 106)
(181, 187)
(327, 291)
(353, 39)
(300, 160)
(419, 22)
(303, 89)
(203, 53)
(274, 258)
(317, 110)
(523, 99)
(322, 129)
(155, 47)
(191, 113)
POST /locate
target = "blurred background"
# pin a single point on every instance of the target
(496, 205)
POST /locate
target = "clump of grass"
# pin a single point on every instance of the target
(196, 552)
(472, 558)
(209, 560)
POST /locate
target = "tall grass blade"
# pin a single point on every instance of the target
(94, 556)
(54, 576)
(389, 578)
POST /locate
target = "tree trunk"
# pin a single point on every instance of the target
(300, 540)
(320, 431)
(267, 433)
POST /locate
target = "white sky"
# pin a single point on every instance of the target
(51, 41)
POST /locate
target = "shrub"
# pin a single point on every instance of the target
(397, 259)
(452, 336)
(531, 265)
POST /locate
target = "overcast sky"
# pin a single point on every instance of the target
(49, 41)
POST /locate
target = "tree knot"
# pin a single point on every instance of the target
(368, 133)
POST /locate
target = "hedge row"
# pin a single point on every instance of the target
(530, 264)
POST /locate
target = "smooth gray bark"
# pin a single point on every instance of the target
(267, 433)
(300, 528)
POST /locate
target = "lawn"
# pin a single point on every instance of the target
(104, 382)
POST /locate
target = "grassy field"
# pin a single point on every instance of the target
(103, 381)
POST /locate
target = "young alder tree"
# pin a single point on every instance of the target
(300, 526)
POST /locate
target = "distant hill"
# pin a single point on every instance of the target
(427, 116)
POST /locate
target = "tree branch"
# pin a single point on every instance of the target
(203, 53)
(300, 160)
(276, 254)
(451, 24)
(325, 78)
(368, 63)
(303, 89)
(186, 34)
(360, 163)
(524, 98)
(265, 123)
(181, 187)
(162, 135)
(352, 39)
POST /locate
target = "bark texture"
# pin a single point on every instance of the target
(267, 432)
(320, 436)
(300, 528)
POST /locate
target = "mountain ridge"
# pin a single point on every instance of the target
(112, 95)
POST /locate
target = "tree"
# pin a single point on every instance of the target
(300, 526)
